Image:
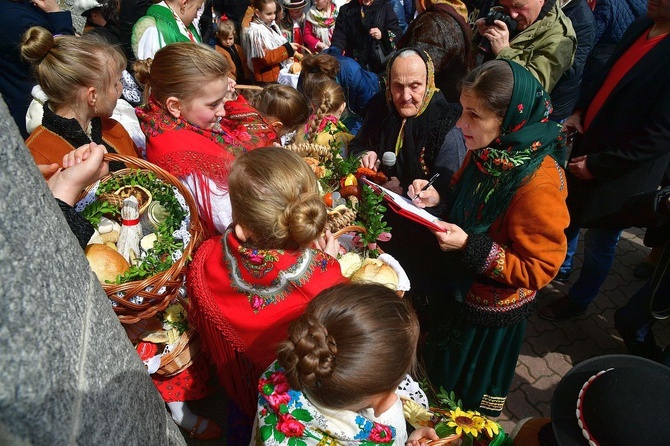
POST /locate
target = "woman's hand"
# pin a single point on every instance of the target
(375, 33)
(393, 185)
(427, 198)
(82, 167)
(47, 5)
(577, 166)
(328, 244)
(452, 237)
(574, 123)
(370, 161)
(422, 436)
(48, 169)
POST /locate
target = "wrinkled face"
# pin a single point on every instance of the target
(107, 96)
(408, 85)
(480, 125)
(191, 11)
(267, 15)
(206, 109)
(321, 5)
(525, 12)
(658, 9)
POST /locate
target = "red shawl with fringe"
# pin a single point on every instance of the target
(184, 149)
(242, 302)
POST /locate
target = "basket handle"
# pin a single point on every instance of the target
(346, 229)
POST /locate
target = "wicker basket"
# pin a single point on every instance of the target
(182, 355)
(169, 281)
(322, 153)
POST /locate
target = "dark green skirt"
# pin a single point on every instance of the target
(478, 364)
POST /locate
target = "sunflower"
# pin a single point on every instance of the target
(491, 427)
(466, 422)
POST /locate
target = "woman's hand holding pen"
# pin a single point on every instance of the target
(452, 237)
(426, 198)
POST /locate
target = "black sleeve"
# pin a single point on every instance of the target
(79, 226)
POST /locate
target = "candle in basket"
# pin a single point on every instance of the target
(131, 230)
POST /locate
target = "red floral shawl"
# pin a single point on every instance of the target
(184, 149)
(245, 123)
(242, 301)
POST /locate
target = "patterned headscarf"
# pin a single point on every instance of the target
(431, 89)
(496, 172)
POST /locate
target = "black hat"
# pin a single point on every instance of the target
(294, 4)
(613, 400)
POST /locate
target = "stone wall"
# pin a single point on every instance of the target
(68, 374)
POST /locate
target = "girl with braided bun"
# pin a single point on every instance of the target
(337, 375)
(248, 284)
(324, 126)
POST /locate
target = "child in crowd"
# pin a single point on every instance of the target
(324, 126)
(268, 50)
(319, 25)
(337, 374)
(293, 21)
(181, 123)
(247, 285)
(226, 46)
(284, 108)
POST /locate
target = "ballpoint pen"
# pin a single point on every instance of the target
(430, 183)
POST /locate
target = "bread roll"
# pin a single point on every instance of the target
(106, 262)
(376, 271)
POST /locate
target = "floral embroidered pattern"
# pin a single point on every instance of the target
(258, 261)
(496, 161)
(495, 261)
(286, 416)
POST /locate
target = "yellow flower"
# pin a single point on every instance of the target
(466, 422)
(416, 414)
(491, 427)
(174, 313)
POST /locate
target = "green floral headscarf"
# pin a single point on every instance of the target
(496, 172)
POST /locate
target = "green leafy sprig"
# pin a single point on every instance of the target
(371, 217)
(159, 257)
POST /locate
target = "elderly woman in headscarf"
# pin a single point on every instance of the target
(417, 125)
(504, 233)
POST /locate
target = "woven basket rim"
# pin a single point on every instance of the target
(172, 278)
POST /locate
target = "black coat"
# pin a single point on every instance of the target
(628, 142)
(352, 32)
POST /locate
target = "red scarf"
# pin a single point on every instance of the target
(246, 124)
(184, 149)
(242, 301)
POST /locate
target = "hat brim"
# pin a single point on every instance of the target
(298, 6)
(564, 401)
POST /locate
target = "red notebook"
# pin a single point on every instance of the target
(404, 206)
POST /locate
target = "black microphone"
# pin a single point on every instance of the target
(388, 164)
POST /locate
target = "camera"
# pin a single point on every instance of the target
(496, 13)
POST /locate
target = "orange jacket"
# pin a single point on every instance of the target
(229, 59)
(266, 69)
(48, 147)
(529, 246)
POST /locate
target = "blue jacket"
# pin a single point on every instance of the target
(612, 18)
(359, 85)
(16, 81)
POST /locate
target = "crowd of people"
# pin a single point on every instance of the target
(515, 123)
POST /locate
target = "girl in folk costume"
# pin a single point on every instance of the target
(267, 49)
(166, 22)
(247, 285)
(324, 126)
(268, 116)
(225, 36)
(337, 376)
(319, 25)
(181, 123)
(292, 22)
